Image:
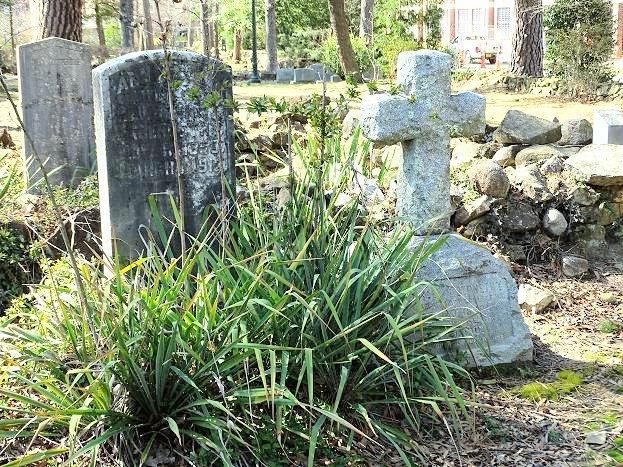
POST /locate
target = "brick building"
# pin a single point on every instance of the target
(495, 20)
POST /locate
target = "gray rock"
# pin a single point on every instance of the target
(608, 126)
(599, 164)
(535, 154)
(490, 149)
(521, 128)
(464, 151)
(573, 266)
(474, 210)
(534, 299)
(554, 222)
(350, 124)
(477, 288)
(519, 218)
(576, 132)
(285, 75)
(553, 165)
(529, 180)
(592, 237)
(489, 178)
(584, 196)
(506, 155)
(304, 75)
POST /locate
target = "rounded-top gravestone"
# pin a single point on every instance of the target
(136, 149)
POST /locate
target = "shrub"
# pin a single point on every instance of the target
(305, 321)
(363, 55)
(579, 42)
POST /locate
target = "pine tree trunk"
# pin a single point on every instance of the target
(237, 46)
(126, 17)
(99, 25)
(205, 28)
(344, 46)
(148, 26)
(61, 18)
(365, 22)
(527, 59)
(271, 36)
(215, 31)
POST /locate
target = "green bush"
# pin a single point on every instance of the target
(579, 35)
(363, 54)
(304, 323)
(388, 48)
(14, 265)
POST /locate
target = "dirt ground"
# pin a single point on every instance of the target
(578, 428)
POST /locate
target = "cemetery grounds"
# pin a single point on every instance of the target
(567, 408)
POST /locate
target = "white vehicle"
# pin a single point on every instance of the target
(473, 47)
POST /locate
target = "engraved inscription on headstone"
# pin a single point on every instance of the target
(57, 107)
(135, 148)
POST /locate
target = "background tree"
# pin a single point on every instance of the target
(270, 20)
(339, 25)
(148, 27)
(527, 57)
(61, 18)
(126, 18)
(366, 19)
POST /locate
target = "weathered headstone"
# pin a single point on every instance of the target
(422, 119)
(57, 108)
(135, 144)
(304, 75)
(475, 288)
(285, 75)
(608, 127)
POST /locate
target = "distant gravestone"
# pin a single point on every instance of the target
(304, 75)
(57, 108)
(135, 145)
(474, 288)
(285, 75)
(608, 127)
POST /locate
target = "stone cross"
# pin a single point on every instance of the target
(423, 120)
(135, 147)
(57, 107)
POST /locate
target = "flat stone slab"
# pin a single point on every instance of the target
(477, 288)
(521, 128)
(599, 164)
(304, 75)
(608, 127)
(285, 75)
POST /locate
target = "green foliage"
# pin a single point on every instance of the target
(566, 382)
(330, 57)
(388, 48)
(304, 324)
(609, 327)
(305, 44)
(616, 452)
(14, 265)
(579, 42)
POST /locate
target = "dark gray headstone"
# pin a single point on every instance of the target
(305, 75)
(135, 146)
(285, 75)
(57, 107)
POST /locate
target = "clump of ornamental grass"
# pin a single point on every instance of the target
(303, 320)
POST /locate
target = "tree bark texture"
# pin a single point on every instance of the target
(366, 19)
(205, 28)
(99, 25)
(148, 26)
(237, 45)
(527, 58)
(271, 36)
(339, 24)
(61, 18)
(126, 17)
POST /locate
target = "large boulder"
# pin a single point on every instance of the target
(489, 178)
(599, 164)
(521, 128)
(576, 132)
(476, 288)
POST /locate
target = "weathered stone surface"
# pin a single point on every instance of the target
(57, 108)
(599, 164)
(285, 75)
(467, 114)
(531, 182)
(135, 146)
(608, 127)
(576, 132)
(521, 128)
(553, 165)
(464, 151)
(535, 154)
(519, 218)
(489, 178)
(506, 156)
(573, 266)
(584, 196)
(477, 288)
(350, 123)
(477, 208)
(534, 299)
(554, 222)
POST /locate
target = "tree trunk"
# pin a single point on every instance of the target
(61, 18)
(366, 21)
(148, 26)
(344, 46)
(271, 36)
(527, 58)
(205, 27)
(215, 35)
(237, 45)
(126, 17)
(12, 30)
(99, 25)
